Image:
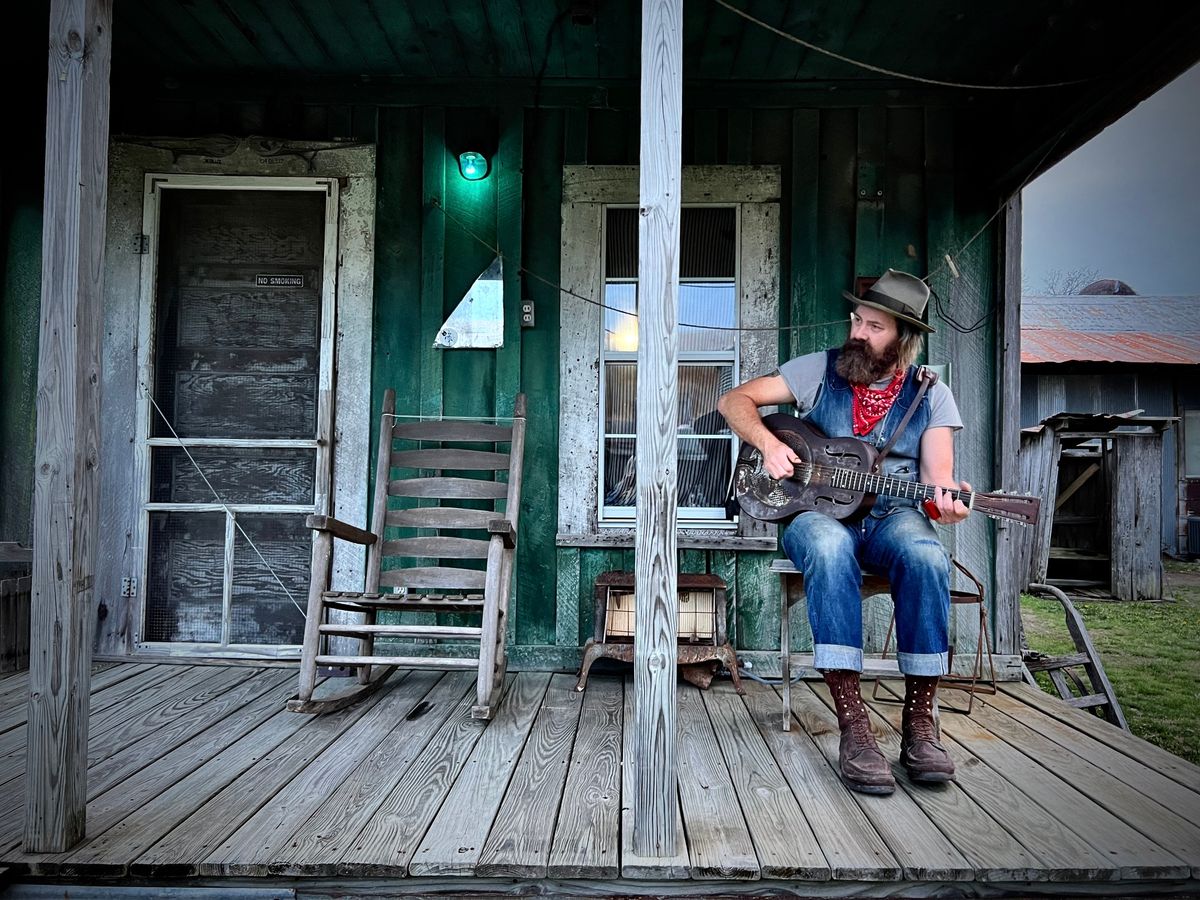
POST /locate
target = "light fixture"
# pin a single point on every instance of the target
(472, 165)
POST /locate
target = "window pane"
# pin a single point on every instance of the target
(185, 577)
(620, 472)
(261, 611)
(712, 304)
(620, 398)
(703, 471)
(620, 328)
(241, 475)
(237, 314)
(699, 389)
(703, 467)
(707, 237)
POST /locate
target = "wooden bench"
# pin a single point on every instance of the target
(880, 667)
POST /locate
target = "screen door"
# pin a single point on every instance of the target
(236, 444)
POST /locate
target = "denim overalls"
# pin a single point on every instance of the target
(895, 540)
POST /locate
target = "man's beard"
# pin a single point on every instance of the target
(858, 365)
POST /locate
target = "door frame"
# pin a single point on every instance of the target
(156, 184)
(347, 173)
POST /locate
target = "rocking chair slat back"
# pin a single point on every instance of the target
(442, 578)
(439, 517)
(439, 488)
(450, 430)
(436, 548)
(453, 459)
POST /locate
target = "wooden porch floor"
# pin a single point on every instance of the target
(198, 772)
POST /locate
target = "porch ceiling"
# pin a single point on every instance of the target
(948, 40)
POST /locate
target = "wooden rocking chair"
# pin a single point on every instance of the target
(415, 571)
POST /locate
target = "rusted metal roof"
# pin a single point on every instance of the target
(1111, 328)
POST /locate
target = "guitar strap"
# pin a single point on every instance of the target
(926, 378)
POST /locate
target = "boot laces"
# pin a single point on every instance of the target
(862, 728)
(921, 728)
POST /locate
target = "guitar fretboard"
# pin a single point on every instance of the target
(887, 485)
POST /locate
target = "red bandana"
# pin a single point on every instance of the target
(870, 406)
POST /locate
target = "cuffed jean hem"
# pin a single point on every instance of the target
(836, 656)
(923, 663)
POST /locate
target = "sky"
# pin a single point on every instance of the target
(1127, 203)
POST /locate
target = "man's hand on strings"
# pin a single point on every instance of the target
(780, 460)
(946, 509)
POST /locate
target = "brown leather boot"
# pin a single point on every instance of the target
(921, 753)
(861, 765)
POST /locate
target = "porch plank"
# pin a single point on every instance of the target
(13, 741)
(1136, 856)
(172, 725)
(456, 837)
(148, 689)
(101, 772)
(109, 806)
(719, 843)
(923, 851)
(523, 832)
(109, 723)
(633, 865)
(1064, 855)
(320, 842)
(994, 854)
(587, 839)
(181, 850)
(854, 849)
(134, 833)
(1162, 761)
(1170, 831)
(783, 839)
(256, 844)
(15, 713)
(386, 844)
(1132, 771)
(165, 703)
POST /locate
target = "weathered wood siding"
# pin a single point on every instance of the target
(830, 231)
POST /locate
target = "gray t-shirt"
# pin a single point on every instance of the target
(804, 375)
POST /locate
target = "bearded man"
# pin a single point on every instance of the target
(863, 390)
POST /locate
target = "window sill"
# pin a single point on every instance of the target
(687, 539)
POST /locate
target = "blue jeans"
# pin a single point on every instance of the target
(901, 546)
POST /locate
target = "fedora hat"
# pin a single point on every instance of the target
(898, 294)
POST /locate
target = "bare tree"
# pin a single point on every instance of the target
(1061, 284)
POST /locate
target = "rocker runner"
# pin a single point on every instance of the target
(865, 390)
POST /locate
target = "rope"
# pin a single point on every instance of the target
(890, 72)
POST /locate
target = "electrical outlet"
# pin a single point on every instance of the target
(128, 586)
(527, 314)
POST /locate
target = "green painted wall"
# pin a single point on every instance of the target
(20, 263)
(862, 189)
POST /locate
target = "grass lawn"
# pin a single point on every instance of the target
(1151, 652)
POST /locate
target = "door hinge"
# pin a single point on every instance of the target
(141, 243)
(128, 586)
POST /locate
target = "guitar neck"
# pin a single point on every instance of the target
(889, 485)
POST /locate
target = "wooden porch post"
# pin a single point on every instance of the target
(66, 486)
(1010, 574)
(657, 421)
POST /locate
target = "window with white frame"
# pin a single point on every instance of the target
(708, 344)
(728, 310)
